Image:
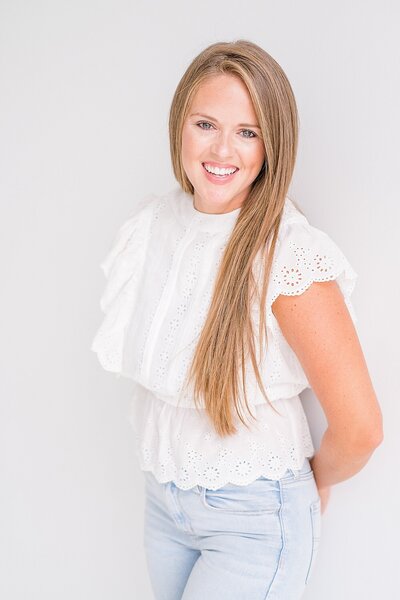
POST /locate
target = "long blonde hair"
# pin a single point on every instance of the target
(227, 335)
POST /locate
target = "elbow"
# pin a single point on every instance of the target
(369, 434)
(377, 439)
(368, 440)
(377, 434)
(358, 441)
(373, 442)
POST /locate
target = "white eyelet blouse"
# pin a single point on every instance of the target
(160, 270)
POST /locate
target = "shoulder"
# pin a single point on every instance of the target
(305, 254)
(145, 204)
(153, 202)
(169, 207)
(295, 225)
(135, 230)
(291, 212)
(131, 232)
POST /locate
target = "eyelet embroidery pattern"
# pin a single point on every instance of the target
(197, 326)
(174, 441)
(155, 301)
(296, 267)
(291, 277)
(190, 452)
(190, 278)
(323, 263)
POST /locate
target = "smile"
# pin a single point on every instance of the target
(219, 170)
(219, 174)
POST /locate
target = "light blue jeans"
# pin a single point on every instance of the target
(249, 542)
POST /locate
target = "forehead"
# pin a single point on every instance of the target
(223, 93)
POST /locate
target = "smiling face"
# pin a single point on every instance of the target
(221, 132)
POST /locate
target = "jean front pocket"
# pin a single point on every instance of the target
(261, 496)
(316, 523)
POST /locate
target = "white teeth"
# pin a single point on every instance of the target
(218, 171)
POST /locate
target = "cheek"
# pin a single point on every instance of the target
(186, 150)
(194, 143)
(189, 146)
(256, 157)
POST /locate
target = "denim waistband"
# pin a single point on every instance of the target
(299, 473)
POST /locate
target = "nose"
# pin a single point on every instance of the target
(222, 146)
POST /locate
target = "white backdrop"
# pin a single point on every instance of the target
(85, 92)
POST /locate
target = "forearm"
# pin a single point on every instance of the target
(336, 461)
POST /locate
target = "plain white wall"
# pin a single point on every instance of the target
(85, 92)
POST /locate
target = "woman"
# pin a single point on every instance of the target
(222, 304)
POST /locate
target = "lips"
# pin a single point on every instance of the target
(219, 179)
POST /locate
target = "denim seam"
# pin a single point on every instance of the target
(281, 554)
(314, 541)
(184, 518)
(177, 515)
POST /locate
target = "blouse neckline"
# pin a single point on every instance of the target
(196, 219)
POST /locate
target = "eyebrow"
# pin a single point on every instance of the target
(216, 120)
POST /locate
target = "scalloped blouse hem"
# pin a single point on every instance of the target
(296, 466)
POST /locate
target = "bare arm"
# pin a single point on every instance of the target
(318, 327)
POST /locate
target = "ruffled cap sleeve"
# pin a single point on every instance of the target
(122, 266)
(305, 254)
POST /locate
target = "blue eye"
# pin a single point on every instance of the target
(251, 136)
(203, 123)
(249, 131)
